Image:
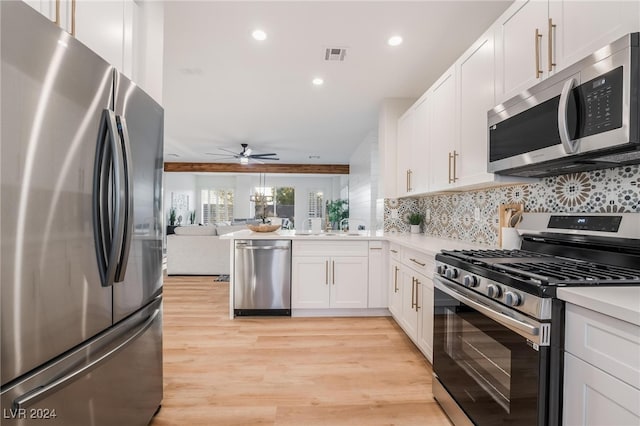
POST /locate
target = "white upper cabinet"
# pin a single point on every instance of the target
(476, 96)
(582, 27)
(520, 36)
(418, 155)
(535, 39)
(444, 148)
(405, 141)
(106, 27)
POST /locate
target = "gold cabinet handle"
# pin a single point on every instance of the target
(455, 160)
(452, 160)
(410, 174)
(395, 279)
(394, 251)
(333, 272)
(413, 292)
(552, 29)
(538, 37)
(407, 185)
(326, 272)
(73, 17)
(419, 263)
(57, 21)
(417, 306)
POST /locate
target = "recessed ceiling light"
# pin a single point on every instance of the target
(318, 81)
(394, 41)
(259, 35)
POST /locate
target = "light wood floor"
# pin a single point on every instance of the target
(285, 371)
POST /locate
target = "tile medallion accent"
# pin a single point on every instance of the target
(614, 190)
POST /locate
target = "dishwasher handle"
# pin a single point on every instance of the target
(246, 247)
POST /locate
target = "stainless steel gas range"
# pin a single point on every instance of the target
(498, 326)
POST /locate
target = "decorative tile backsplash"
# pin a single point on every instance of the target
(452, 214)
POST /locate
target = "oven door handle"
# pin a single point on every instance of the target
(524, 329)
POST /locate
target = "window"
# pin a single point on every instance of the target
(217, 205)
(278, 202)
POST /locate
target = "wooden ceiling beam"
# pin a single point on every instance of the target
(332, 169)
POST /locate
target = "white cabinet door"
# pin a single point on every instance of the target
(409, 318)
(310, 282)
(593, 397)
(395, 290)
(419, 153)
(106, 27)
(476, 83)
(405, 135)
(378, 265)
(349, 282)
(582, 27)
(518, 49)
(425, 317)
(45, 7)
(442, 132)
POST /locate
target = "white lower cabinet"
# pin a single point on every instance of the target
(601, 370)
(411, 296)
(326, 281)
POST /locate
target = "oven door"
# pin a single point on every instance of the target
(491, 360)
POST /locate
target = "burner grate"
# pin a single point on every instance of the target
(565, 272)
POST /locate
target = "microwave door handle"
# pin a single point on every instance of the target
(569, 146)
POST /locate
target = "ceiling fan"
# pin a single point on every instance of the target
(245, 155)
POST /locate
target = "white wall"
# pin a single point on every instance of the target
(183, 184)
(363, 181)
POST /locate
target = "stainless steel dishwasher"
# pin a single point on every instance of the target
(262, 277)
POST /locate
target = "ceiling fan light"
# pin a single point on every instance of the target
(244, 160)
(247, 152)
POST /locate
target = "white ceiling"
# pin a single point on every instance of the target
(222, 87)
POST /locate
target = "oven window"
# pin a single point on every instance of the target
(494, 374)
(481, 356)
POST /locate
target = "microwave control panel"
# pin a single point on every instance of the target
(600, 103)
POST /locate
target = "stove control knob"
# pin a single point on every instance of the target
(440, 269)
(494, 291)
(512, 299)
(451, 273)
(470, 281)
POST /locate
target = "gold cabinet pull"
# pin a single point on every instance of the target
(333, 272)
(73, 17)
(455, 160)
(413, 292)
(407, 181)
(552, 28)
(419, 263)
(326, 272)
(57, 21)
(417, 306)
(452, 160)
(410, 174)
(394, 251)
(395, 279)
(538, 37)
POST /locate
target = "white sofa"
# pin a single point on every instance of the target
(198, 250)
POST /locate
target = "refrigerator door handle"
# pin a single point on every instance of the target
(127, 199)
(40, 393)
(108, 208)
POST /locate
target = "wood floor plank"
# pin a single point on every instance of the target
(286, 371)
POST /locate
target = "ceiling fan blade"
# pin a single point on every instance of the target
(235, 154)
(261, 155)
(263, 158)
(221, 155)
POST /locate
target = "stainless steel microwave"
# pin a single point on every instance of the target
(585, 117)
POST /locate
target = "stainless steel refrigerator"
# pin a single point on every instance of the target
(80, 230)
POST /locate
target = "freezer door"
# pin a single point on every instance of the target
(54, 90)
(116, 379)
(139, 275)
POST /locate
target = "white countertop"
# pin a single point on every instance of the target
(421, 242)
(622, 303)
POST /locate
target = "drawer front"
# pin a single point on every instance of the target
(331, 248)
(418, 261)
(608, 343)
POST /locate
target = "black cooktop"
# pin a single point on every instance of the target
(539, 269)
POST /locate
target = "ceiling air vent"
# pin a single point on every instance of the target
(335, 54)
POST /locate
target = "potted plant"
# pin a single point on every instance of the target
(172, 220)
(192, 217)
(336, 211)
(415, 220)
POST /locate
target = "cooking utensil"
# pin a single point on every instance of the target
(515, 219)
